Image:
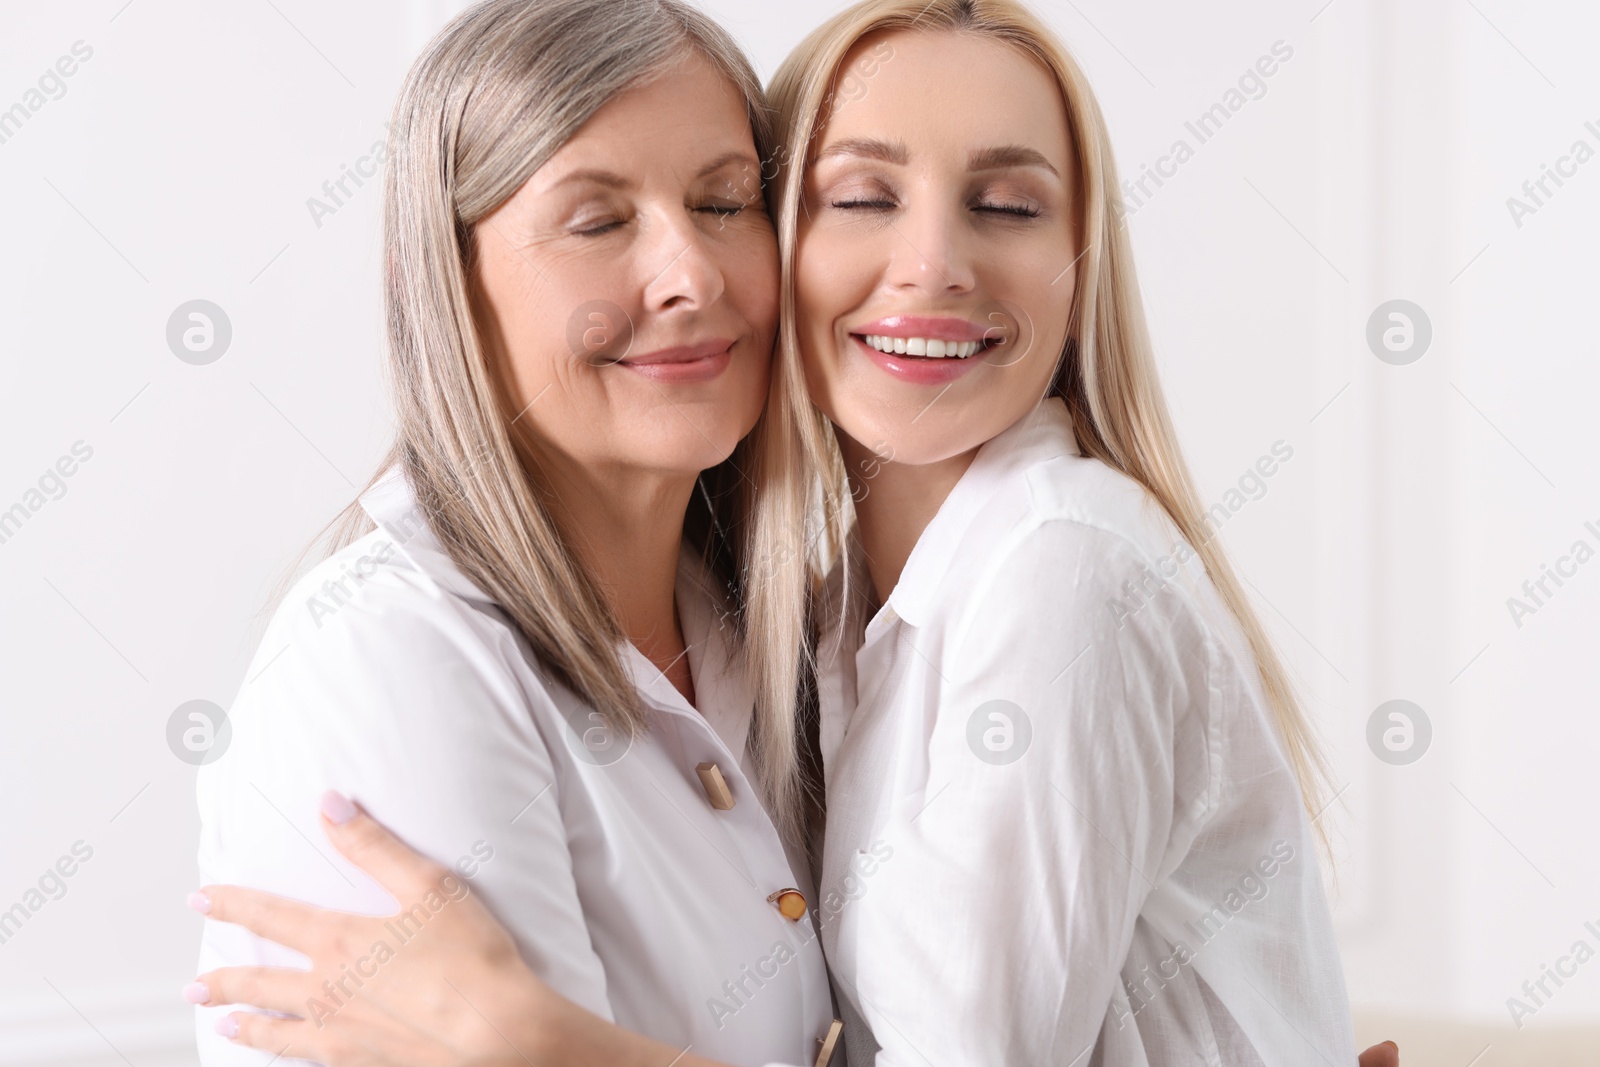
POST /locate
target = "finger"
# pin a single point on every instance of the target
(288, 922)
(1385, 1055)
(288, 1038)
(369, 844)
(271, 988)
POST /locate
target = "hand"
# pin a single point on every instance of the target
(1384, 1055)
(454, 992)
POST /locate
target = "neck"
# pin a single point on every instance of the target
(895, 505)
(627, 527)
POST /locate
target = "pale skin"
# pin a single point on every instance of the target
(946, 199)
(970, 205)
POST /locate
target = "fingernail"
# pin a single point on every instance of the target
(227, 1026)
(337, 807)
(1392, 1045)
(196, 993)
(200, 902)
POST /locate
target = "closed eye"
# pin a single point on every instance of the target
(856, 205)
(1021, 211)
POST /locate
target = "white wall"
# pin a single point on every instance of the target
(1375, 166)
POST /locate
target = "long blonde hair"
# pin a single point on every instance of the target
(1106, 373)
(500, 89)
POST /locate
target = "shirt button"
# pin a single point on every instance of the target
(791, 903)
(716, 786)
(825, 1053)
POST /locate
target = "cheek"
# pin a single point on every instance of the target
(817, 305)
(806, 277)
(1048, 307)
(546, 321)
(751, 274)
(830, 281)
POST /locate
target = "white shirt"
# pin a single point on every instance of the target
(1061, 825)
(386, 674)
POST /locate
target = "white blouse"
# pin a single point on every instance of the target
(1062, 828)
(386, 674)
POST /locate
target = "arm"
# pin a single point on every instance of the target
(458, 995)
(409, 1018)
(404, 703)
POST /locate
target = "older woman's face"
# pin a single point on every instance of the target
(630, 286)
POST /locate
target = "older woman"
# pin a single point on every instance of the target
(528, 653)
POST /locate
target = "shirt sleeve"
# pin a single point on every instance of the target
(404, 700)
(1066, 765)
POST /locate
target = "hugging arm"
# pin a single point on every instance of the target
(457, 995)
(395, 704)
(465, 991)
(493, 1012)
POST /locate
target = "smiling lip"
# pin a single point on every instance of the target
(926, 337)
(942, 329)
(684, 363)
(915, 368)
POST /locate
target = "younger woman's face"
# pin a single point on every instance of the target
(629, 288)
(937, 244)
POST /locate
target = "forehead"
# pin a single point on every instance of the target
(947, 90)
(684, 108)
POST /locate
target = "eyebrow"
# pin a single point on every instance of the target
(1011, 155)
(735, 156)
(867, 148)
(609, 179)
(1000, 157)
(613, 180)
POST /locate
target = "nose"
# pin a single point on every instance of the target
(688, 276)
(931, 254)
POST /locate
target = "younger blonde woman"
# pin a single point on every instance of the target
(1070, 796)
(1041, 684)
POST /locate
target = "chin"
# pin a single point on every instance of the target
(685, 456)
(914, 436)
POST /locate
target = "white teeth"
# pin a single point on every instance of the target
(932, 348)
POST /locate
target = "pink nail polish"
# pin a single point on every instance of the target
(196, 993)
(200, 902)
(227, 1026)
(337, 807)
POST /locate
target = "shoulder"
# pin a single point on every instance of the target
(367, 634)
(1081, 495)
(1071, 532)
(1081, 570)
(367, 594)
(386, 687)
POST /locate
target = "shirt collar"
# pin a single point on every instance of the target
(1043, 432)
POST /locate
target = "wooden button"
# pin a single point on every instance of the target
(716, 786)
(829, 1043)
(791, 903)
